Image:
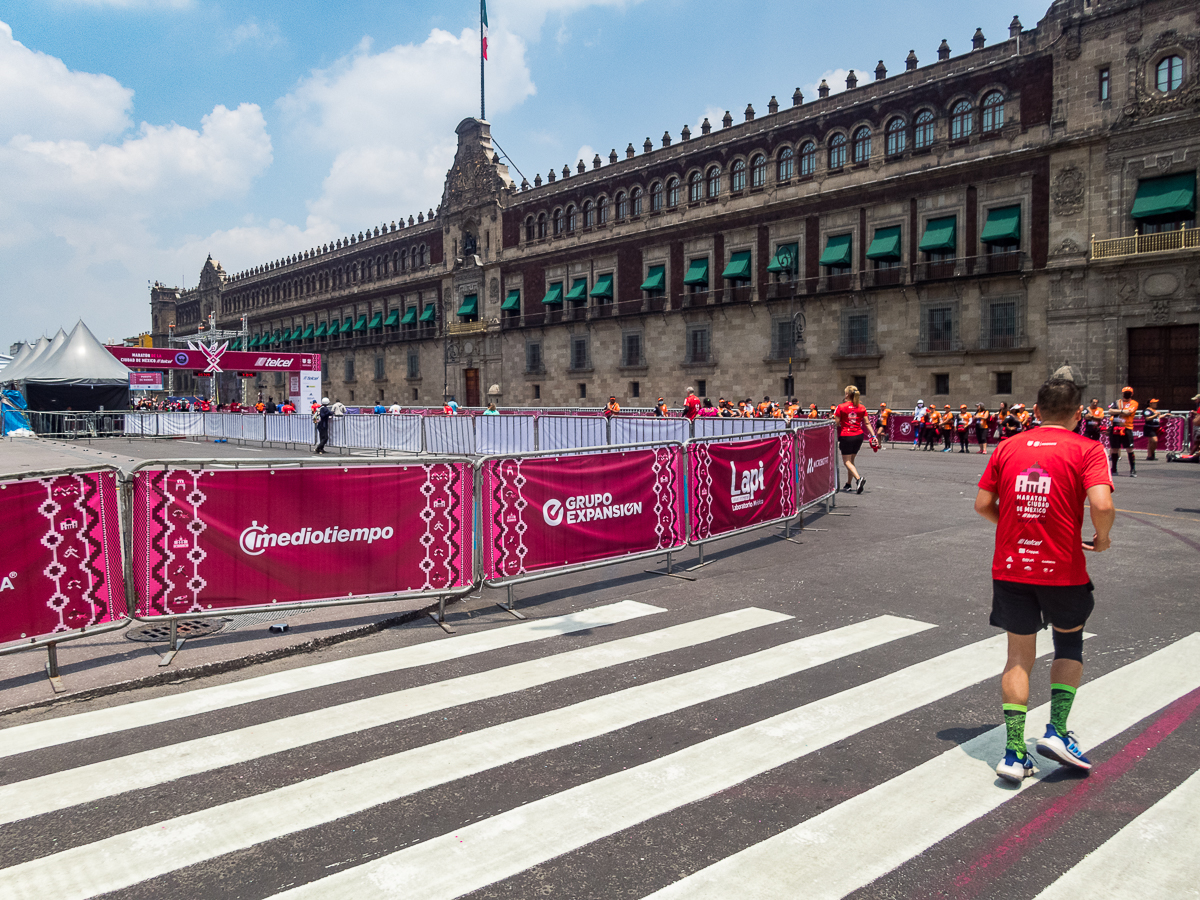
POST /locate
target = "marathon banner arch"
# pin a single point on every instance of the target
(817, 463)
(741, 484)
(555, 512)
(206, 539)
(62, 568)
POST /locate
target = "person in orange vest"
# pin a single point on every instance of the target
(660, 408)
(884, 415)
(812, 411)
(764, 409)
(612, 408)
(947, 429)
(933, 425)
(982, 419)
(1093, 420)
(1121, 433)
(260, 407)
(964, 428)
(1024, 416)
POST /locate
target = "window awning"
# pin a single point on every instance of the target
(322, 328)
(886, 245)
(697, 272)
(308, 333)
(289, 335)
(376, 320)
(334, 328)
(254, 342)
(276, 336)
(470, 305)
(1165, 196)
(553, 296)
(656, 279)
(1003, 226)
(347, 325)
(837, 250)
(361, 324)
(739, 266)
(410, 316)
(940, 235)
(392, 320)
(603, 288)
(512, 303)
(785, 259)
(236, 345)
(578, 289)
(429, 313)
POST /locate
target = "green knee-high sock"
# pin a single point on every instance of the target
(1014, 722)
(1061, 698)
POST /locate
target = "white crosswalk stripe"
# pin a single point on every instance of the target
(880, 828)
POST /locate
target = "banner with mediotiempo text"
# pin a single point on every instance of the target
(817, 463)
(739, 484)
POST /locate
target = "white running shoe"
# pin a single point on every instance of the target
(1015, 770)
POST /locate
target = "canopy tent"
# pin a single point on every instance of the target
(13, 372)
(80, 374)
(14, 364)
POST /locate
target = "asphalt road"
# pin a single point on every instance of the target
(804, 719)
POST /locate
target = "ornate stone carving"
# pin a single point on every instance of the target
(494, 289)
(1067, 248)
(1160, 310)
(1067, 191)
(476, 176)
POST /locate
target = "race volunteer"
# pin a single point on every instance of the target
(1120, 434)
(884, 415)
(1093, 419)
(612, 408)
(1152, 424)
(964, 429)
(1033, 490)
(852, 418)
(982, 417)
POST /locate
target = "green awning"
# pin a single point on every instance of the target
(512, 303)
(254, 342)
(837, 250)
(578, 289)
(429, 314)
(656, 279)
(308, 333)
(940, 235)
(603, 288)
(1165, 196)
(697, 272)
(347, 325)
(739, 266)
(886, 245)
(785, 258)
(322, 328)
(410, 316)
(392, 320)
(236, 345)
(470, 305)
(1003, 226)
(334, 328)
(554, 295)
(276, 337)
(289, 336)
(361, 324)
(376, 320)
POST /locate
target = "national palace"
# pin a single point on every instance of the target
(956, 229)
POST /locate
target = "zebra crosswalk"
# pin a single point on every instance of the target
(423, 811)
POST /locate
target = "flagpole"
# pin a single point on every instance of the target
(482, 106)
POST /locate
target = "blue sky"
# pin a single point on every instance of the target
(137, 136)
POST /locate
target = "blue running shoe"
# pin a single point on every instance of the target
(1062, 749)
(1015, 770)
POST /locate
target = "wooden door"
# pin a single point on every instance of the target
(471, 382)
(1163, 363)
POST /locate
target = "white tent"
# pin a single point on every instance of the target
(21, 363)
(77, 374)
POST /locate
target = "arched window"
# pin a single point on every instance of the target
(656, 196)
(529, 232)
(404, 258)
(421, 256)
(602, 211)
(672, 192)
(737, 175)
(541, 228)
(714, 182)
(993, 112)
(862, 145)
(589, 218)
(558, 221)
(808, 159)
(572, 218)
(897, 137)
(785, 165)
(635, 201)
(695, 188)
(1169, 74)
(961, 120)
(622, 205)
(758, 171)
(837, 151)
(923, 130)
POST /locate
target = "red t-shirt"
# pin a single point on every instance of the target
(850, 419)
(691, 406)
(1042, 477)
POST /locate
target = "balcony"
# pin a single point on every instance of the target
(883, 277)
(739, 293)
(785, 290)
(1139, 244)
(940, 269)
(842, 282)
(602, 310)
(695, 299)
(460, 329)
(1000, 263)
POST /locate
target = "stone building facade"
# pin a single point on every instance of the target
(954, 232)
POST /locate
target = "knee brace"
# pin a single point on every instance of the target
(1068, 645)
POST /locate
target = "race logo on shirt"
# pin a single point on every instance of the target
(1033, 493)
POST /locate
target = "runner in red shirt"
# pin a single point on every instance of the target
(1033, 491)
(852, 418)
(691, 405)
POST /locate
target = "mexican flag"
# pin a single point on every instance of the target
(483, 24)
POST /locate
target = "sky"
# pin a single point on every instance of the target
(139, 136)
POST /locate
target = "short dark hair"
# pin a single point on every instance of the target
(1058, 398)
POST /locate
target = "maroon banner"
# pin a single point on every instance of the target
(63, 568)
(740, 484)
(1170, 437)
(553, 512)
(205, 539)
(215, 359)
(817, 462)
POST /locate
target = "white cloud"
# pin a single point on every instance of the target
(836, 79)
(526, 17)
(41, 97)
(714, 114)
(264, 36)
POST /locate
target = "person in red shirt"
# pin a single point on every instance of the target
(691, 405)
(1033, 491)
(852, 418)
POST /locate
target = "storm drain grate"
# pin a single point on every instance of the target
(185, 628)
(233, 623)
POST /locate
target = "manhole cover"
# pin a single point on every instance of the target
(186, 628)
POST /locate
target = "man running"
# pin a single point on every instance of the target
(1033, 491)
(852, 417)
(1121, 433)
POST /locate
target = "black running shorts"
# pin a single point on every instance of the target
(850, 445)
(1028, 608)
(1119, 440)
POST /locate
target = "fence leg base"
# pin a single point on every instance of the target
(508, 608)
(176, 644)
(52, 674)
(787, 531)
(700, 561)
(669, 573)
(441, 623)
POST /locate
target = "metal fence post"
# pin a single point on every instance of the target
(52, 668)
